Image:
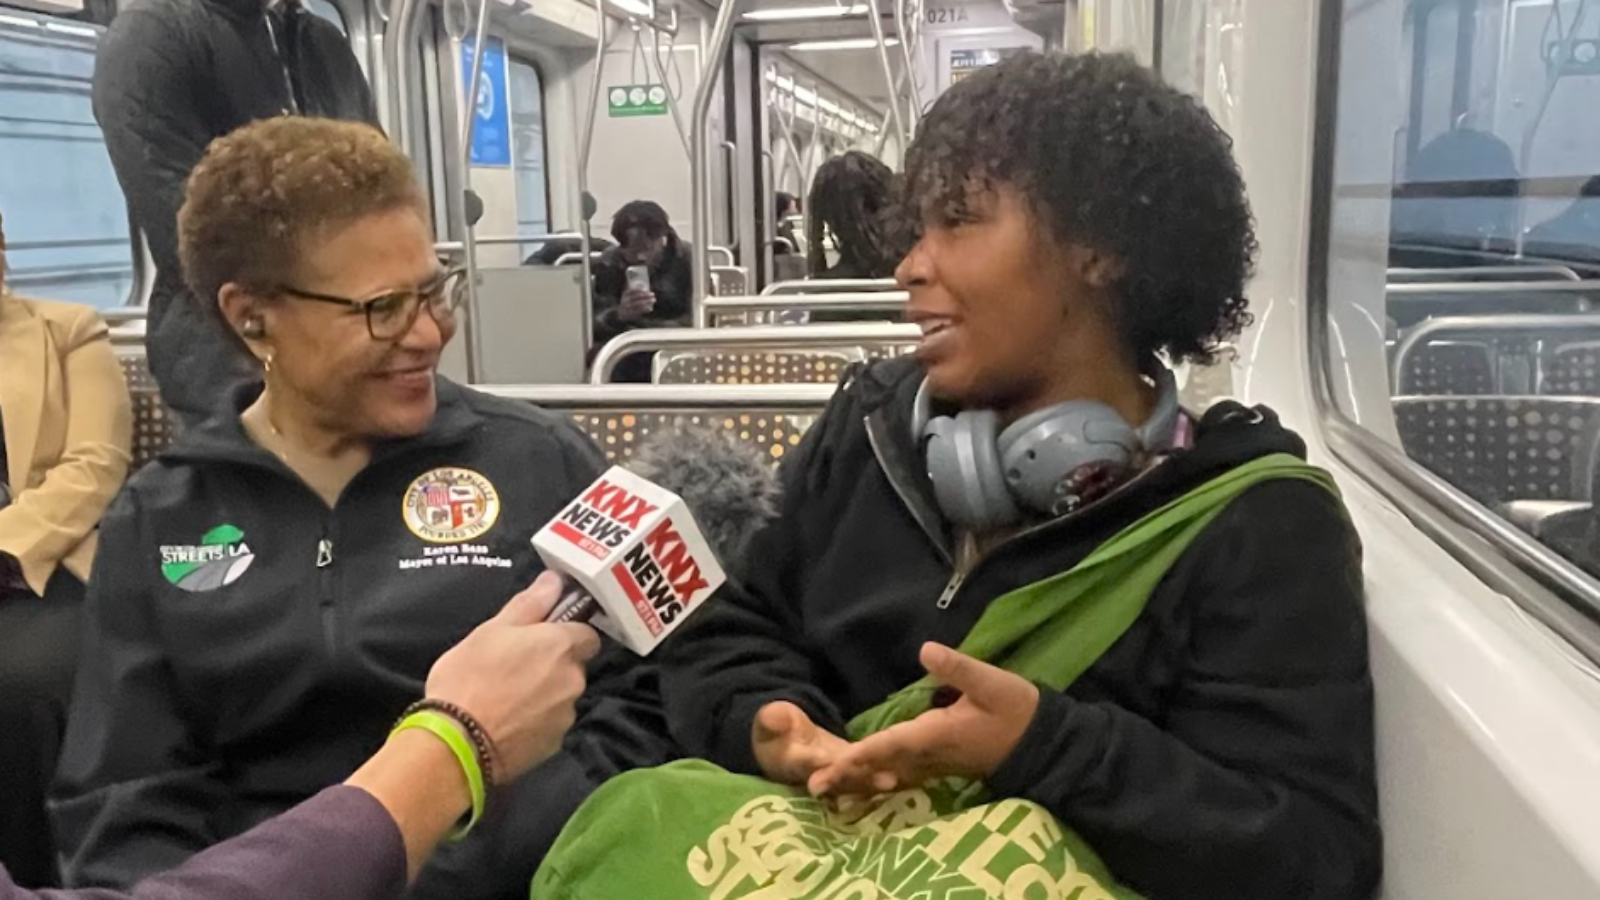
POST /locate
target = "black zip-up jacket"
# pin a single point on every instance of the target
(171, 76)
(246, 646)
(671, 280)
(1223, 747)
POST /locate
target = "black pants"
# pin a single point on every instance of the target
(38, 654)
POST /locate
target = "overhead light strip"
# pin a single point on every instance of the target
(805, 12)
(632, 7)
(843, 44)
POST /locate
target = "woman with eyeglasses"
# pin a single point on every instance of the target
(272, 591)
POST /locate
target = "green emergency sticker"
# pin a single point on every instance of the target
(629, 100)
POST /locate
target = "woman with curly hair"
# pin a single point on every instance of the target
(1034, 629)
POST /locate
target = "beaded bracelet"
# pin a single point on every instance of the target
(442, 727)
(488, 754)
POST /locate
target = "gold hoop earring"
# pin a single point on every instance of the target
(266, 363)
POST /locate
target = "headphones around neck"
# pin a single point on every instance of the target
(1038, 463)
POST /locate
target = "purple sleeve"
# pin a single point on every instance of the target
(341, 843)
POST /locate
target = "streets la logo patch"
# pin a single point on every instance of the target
(448, 506)
(218, 560)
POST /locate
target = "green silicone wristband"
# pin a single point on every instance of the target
(442, 727)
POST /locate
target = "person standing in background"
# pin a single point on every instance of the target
(172, 76)
(65, 427)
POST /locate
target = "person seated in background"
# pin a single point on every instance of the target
(849, 198)
(647, 241)
(170, 77)
(65, 427)
(1574, 234)
(1074, 641)
(553, 250)
(786, 207)
(272, 591)
(1460, 199)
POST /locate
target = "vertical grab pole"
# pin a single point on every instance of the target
(378, 58)
(469, 243)
(469, 109)
(399, 40)
(769, 203)
(732, 172)
(700, 152)
(814, 149)
(888, 75)
(906, 37)
(587, 144)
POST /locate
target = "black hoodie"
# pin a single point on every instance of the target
(171, 76)
(1223, 747)
(671, 280)
(246, 646)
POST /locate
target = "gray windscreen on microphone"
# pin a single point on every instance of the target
(729, 489)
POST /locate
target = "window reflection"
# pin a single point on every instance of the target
(1465, 250)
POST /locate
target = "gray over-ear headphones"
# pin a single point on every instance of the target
(984, 480)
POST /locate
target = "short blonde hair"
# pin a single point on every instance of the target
(265, 193)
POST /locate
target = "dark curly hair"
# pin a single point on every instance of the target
(646, 217)
(1108, 157)
(851, 196)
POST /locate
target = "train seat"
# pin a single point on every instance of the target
(773, 367)
(1574, 369)
(1504, 449)
(615, 428)
(729, 281)
(619, 432)
(1449, 368)
(154, 425)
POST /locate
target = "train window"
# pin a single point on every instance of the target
(1464, 251)
(325, 9)
(528, 149)
(65, 218)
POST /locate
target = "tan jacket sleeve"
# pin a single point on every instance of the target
(48, 522)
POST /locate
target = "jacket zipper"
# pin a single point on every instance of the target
(948, 595)
(325, 600)
(288, 80)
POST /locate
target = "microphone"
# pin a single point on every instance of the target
(641, 546)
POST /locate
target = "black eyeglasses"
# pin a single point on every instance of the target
(391, 315)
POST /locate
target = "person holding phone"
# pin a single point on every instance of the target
(643, 282)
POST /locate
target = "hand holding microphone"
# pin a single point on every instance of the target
(519, 676)
(640, 549)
